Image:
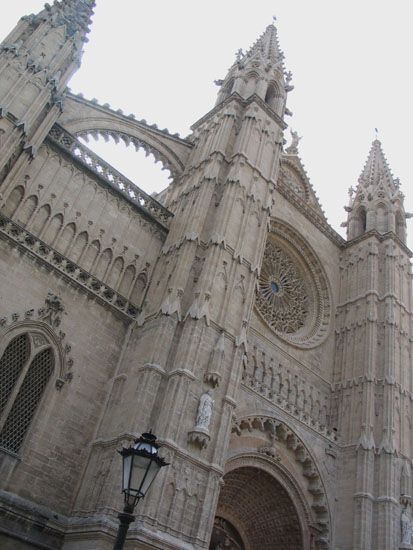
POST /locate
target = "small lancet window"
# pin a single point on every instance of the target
(361, 221)
(271, 97)
(25, 369)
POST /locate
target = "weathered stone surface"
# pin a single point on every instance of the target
(271, 357)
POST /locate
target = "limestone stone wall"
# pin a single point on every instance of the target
(56, 446)
(83, 220)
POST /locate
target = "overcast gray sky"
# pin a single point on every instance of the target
(351, 63)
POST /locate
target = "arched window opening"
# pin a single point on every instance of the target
(139, 288)
(13, 360)
(127, 279)
(382, 219)
(13, 201)
(90, 256)
(25, 369)
(40, 220)
(53, 229)
(79, 246)
(27, 210)
(271, 97)
(115, 272)
(103, 264)
(251, 86)
(66, 238)
(362, 221)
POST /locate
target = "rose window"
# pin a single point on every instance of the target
(282, 296)
(292, 293)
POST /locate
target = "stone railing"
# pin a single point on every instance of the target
(112, 177)
(41, 251)
(291, 394)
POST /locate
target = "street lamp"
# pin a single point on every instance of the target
(141, 465)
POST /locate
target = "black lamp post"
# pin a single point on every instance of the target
(141, 465)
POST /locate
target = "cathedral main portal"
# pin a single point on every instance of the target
(255, 512)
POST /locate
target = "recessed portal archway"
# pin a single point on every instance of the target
(255, 512)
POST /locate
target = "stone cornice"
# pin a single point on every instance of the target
(380, 298)
(381, 237)
(41, 252)
(361, 380)
(243, 103)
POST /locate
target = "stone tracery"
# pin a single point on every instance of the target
(282, 296)
(293, 295)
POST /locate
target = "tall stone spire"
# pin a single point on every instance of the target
(37, 60)
(267, 49)
(260, 72)
(376, 172)
(377, 202)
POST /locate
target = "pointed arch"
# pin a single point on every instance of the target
(79, 246)
(27, 210)
(29, 354)
(127, 280)
(13, 201)
(251, 83)
(40, 219)
(53, 229)
(139, 288)
(27, 401)
(103, 264)
(66, 238)
(382, 222)
(90, 256)
(12, 361)
(360, 221)
(272, 96)
(115, 272)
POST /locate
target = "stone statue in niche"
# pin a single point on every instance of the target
(406, 529)
(204, 414)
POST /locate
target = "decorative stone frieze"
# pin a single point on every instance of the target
(27, 242)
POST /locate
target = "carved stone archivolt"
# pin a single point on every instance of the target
(292, 292)
(42, 325)
(281, 437)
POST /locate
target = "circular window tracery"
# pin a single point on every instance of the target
(292, 293)
(282, 293)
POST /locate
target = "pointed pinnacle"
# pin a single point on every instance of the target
(376, 170)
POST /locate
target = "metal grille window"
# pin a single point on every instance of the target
(13, 360)
(25, 368)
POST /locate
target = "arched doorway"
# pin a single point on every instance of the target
(255, 512)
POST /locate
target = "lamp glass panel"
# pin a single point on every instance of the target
(140, 465)
(126, 471)
(152, 473)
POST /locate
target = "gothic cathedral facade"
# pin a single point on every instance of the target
(122, 312)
